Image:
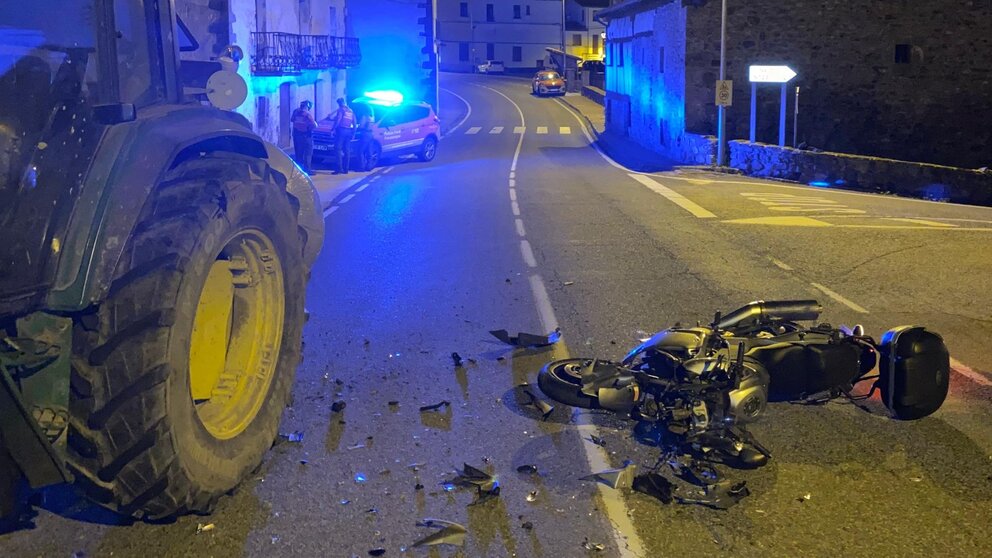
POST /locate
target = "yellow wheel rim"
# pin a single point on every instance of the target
(237, 332)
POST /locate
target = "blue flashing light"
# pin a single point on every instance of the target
(385, 97)
(820, 184)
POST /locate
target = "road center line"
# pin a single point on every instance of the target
(346, 199)
(330, 210)
(520, 227)
(523, 122)
(464, 118)
(516, 208)
(513, 183)
(838, 298)
(513, 194)
(673, 196)
(364, 186)
(528, 253)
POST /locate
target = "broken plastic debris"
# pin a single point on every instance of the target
(527, 469)
(448, 487)
(377, 552)
(356, 446)
(201, 527)
(418, 486)
(614, 478)
(457, 359)
(654, 485)
(344, 501)
(569, 283)
(435, 407)
(588, 545)
(805, 497)
(527, 525)
(597, 440)
(722, 495)
(360, 478)
(541, 405)
(294, 437)
(415, 466)
(449, 533)
(393, 403)
(527, 339)
(532, 496)
(338, 406)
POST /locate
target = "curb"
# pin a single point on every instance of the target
(578, 111)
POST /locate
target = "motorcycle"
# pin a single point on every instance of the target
(701, 386)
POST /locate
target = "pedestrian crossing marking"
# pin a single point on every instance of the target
(564, 130)
(542, 129)
(473, 130)
(519, 129)
(496, 130)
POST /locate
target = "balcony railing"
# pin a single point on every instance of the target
(280, 54)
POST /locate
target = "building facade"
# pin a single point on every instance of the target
(294, 50)
(883, 78)
(585, 36)
(516, 32)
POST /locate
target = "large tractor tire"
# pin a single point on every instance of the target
(180, 376)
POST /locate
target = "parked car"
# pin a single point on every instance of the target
(398, 128)
(547, 82)
(491, 67)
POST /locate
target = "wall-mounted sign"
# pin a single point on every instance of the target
(771, 74)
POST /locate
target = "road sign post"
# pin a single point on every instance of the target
(770, 74)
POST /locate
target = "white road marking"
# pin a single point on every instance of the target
(837, 297)
(781, 264)
(464, 118)
(346, 199)
(924, 222)
(473, 130)
(330, 210)
(519, 129)
(520, 227)
(387, 169)
(523, 122)
(564, 130)
(513, 183)
(513, 194)
(970, 373)
(528, 253)
(592, 142)
(496, 130)
(515, 208)
(513, 174)
(542, 130)
(364, 186)
(673, 196)
(545, 311)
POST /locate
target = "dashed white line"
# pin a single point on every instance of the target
(473, 130)
(516, 208)
(496, 130)
(523, 122)
(837, 297)
(545, 311)
(513, 183)
(330, 210)
(346, 199)
(564, 130)
(542, 130)
(519, 129)
(468, 113)
(528, 253)
(364, 186)
(673, 196)
(520, 227)
(513, 194)
(513, 174)
(781, 264)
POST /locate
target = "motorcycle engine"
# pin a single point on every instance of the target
(747, 402)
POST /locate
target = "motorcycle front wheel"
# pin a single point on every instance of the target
(560, 380)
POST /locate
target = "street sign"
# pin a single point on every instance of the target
(724, 93)
(771, 74)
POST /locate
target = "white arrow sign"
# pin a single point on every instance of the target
(771, 74)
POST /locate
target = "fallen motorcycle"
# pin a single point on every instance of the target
(701, 386)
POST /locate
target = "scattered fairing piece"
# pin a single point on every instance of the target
(527, 339)
(449, 533)
(614, 478)
(597, 440)
(698, 473)
(377, 552)
(435, 407)
(541, 405)
(293, 437)
(722, 495)
(527, 525)
(598, 547)
(527, 469)
(654, 485)
(485, 494)
(457, 359)
(338, 406)
(203, 527)
(532, 496)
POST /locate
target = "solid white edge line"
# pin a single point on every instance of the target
(545, 311)
(592, 142)
(520, 227)
(678, 199)
(467, 114)
(970, 373)
(528, 254)
(523, 122)
(838, 298)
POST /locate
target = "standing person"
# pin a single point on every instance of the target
(364, 135)
(344, 131)
(303, 126)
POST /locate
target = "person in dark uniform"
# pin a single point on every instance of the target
(344, 131)
(303, 127)
(363, 133)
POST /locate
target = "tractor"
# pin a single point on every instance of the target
(154, 253)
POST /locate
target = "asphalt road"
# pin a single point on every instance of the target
(521, 224)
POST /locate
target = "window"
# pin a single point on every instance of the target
(904, 54)
(489, 13)
(516, 11)
(463, 52)
(490, 51)
(518, 54)
(661, 60)
(135, 52)
(577, 39)
(619, 54)
(595, 43)
(463, 9)
(528, 9)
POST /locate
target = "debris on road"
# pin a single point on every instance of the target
(568, 283)
(588, 545)
(804, 497)
(356, 446)
(527, 469)
(393, 403)
(295, 437)
(377, 552)
(457, 359)
(435, 407)
(722, 495)
(449, 533)
(614, 478)
(360, 478)
(532, 496)
(203, 527)
(597, 440)
(654, 485)
(527, 339)
(418, 486)
(527, 525)
(534, 401)
(338, 406)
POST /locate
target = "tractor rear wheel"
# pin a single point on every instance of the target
(181, 374)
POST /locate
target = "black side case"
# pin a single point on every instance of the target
(914, 371)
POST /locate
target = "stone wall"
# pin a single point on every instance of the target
(872, 174)
(855, 98)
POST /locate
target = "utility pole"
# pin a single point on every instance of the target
(721, 148)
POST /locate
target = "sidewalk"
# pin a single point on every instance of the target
(621, 149)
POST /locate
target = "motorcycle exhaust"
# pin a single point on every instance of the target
(760, 311)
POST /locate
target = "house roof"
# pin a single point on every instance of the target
(629, 7)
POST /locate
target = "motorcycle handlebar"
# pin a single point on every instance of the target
(761, 311)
